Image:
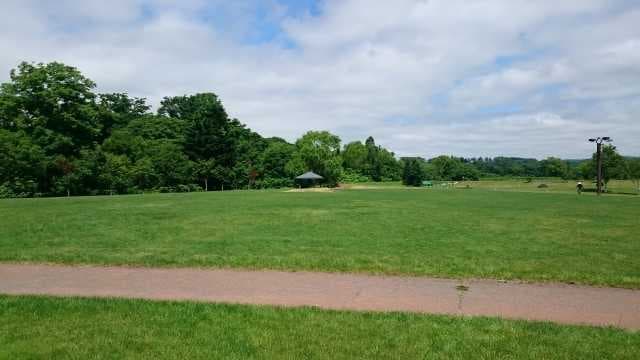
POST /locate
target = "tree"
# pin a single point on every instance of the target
(205, 170)
(355, 157)
(22, 163)
(117, 110)
(554, 167)
(274, 161)
(613, 165)
(632, 167)
(389, 167)
(413, 173)
(170, 164)
(116, 174)
(374, 168)
(52, 103)
(444, 167)
(154, 127)
(319, 151)
(66, 168)
(208, 129)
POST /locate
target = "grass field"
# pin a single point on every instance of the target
(453, 233)
(90, 328)
(554, 185)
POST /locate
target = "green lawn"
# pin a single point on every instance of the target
(35, 327)
(447, 233)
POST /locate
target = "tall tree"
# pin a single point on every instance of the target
(612, 164)
(413, 173)
(54, 104)
(355, 156)
(208, 128)
(117, 110)
(319, 151)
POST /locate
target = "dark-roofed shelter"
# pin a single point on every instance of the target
(308, 179)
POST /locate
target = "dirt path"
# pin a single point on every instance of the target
(553, 302)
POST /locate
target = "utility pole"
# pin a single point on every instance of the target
(599, 141)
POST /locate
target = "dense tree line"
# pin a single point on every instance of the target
(450, 168)
(58, 137)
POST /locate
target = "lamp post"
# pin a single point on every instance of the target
(599, 141)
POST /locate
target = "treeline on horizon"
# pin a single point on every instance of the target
(59, 137)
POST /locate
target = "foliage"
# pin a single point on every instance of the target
(371, 161)
(413, 174)
(632, 168)
(612, 164)
(554, 167)
(319, 151)
(52, 103)
(58, 137)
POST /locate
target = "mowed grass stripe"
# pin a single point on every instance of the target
(91, 328)
(451, 233)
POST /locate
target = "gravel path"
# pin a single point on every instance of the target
(560, 303)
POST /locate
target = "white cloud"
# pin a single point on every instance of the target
(360, 66)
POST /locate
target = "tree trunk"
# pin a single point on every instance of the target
(206, 184)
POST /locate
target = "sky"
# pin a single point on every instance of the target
(423, 77)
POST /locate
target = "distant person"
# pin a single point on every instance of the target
(579, 187)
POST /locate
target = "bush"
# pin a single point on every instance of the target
(274, 183)
(18, 189)
(542, 186)
(195, 187)
(351, 176)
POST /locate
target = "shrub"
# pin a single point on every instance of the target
(542, 186)
(351, 176)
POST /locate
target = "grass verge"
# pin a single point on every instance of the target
(41, 327)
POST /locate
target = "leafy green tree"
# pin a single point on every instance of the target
(153, 127)
(390, 167)
(319, 151)
(413, 173)
(116, 174)
(444, 167)
(205, 170)
(613, 164)
(143, 174)
(170, 165)
(355, 157)
(274, 161)
(554, 167)
(208, 133)
(374, 167)
(632, 167)
(54, 104)
(295, 166)
(123, 142)
(117, 110)
(22, 163)
(66, 179)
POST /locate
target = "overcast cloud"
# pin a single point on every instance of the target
(424, 77)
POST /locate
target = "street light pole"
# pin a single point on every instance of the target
(599, 141)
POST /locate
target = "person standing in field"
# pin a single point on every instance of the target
(579, 187)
